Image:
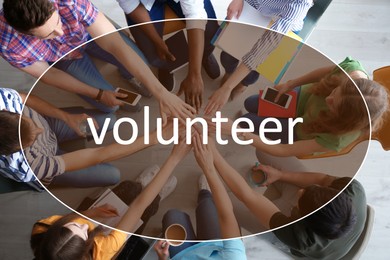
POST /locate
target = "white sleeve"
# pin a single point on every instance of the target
(194, 9)
(128, 6)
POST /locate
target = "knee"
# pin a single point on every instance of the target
(251, 78)
(108, 110)
(251, 103)
(113, 175)
(228, 62)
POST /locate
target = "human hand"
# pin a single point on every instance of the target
(192, 87)
(217, 100)
(283, 88)
(272, 173)
(163, 51)
(172, 105)
(203, 153)
(181, 149)
(226, 127)
(162, 249)
(109, 98)
(103, 211)
(234, 9)
(74, 121)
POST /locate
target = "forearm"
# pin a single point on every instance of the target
(305, 179)
(195, 48)
(43, 107)
(115, 45)
(228, 223)
(141, 15)
(92, 156)
(311, 77)
(259, 205)
(149, 193)
(60, 79)
(297, 148)
(236, 77)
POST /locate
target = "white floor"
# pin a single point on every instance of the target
(348, 27)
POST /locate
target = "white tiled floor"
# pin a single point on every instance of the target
(347, 28)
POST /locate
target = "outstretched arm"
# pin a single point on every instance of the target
(227, 220)
(47, 109)
(92, 156)
(221, 96)
(60, 79)
(192, 86)
(259, 205)
(138, 206)
(300, 179)
(170, 104)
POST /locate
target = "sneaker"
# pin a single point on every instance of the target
(166, 79)
(147, 176)
(203, 184)
(211, 66)
(137, 86)
(169, 187)
(129, 108)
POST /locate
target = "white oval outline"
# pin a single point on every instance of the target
(213, 240)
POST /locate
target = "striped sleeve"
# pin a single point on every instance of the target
(291, 16)
(10, 100)
(262, 48)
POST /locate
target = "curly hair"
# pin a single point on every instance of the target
(351, 112)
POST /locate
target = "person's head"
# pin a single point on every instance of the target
(334, 220)
(38, 17)
(64, 239)
(9, 137)
(347, 110)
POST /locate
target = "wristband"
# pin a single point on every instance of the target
(99, 95)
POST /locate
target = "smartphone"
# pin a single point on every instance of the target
(132, 97)
(269, 94)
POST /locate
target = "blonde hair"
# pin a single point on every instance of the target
(351, 112)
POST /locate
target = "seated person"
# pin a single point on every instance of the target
(149, 39)
(213, 221)
(287, 15)
(39, 34)
(73, 237)
(333, 111)
(328, 233)
(43, 126)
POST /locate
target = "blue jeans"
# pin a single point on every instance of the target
(97, 175)
(207, 224)
(158, 13)
(85, 70)
(251, 104)
(230, 64)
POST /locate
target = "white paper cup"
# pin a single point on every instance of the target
(175, 234)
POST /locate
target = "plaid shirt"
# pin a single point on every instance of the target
(22, 50)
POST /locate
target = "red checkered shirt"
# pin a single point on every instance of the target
(22, 50)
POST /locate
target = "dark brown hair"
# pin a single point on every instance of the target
(25, 15)
(58, 242)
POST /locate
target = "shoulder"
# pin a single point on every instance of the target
(352, 186)
(10, 100)
(351, 65)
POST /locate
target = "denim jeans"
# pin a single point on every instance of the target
(207, 224)
(85, 70)
(98, 175)
(229, 63)
(158, 13)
